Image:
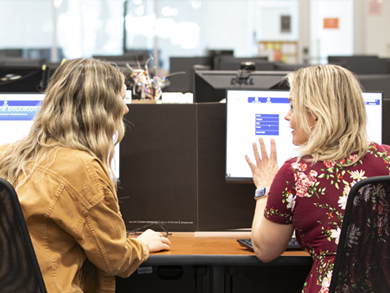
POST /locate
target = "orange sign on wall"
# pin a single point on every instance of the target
(331, 23)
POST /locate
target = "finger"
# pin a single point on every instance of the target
(159, 234)
(166, 241)
(256, 153)
(251, 165)
(263, 149)
(166, 244)
(166, 247)
(273, 153)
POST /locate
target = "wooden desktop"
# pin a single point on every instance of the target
(215, 262)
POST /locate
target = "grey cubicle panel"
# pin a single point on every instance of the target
(221, 205)
(158, 167)
(386, 122)
(172, 169)
(376, 83)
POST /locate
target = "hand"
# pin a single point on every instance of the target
(155, 241)
(266, 168)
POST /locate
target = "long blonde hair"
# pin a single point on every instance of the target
(82, 110)
(333, 96)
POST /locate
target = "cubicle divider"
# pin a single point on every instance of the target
(172, 170)
(386, 122)
(222, 205)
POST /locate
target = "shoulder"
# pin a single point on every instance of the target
(71, 161)
(286, 172)
(379, 147)
(377, 152)
(293, 165)
(3, 148)
(78, 169)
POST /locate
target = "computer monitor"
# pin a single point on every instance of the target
(361, 64)
(211, 86)
(376, 82)
(27, 79)
(254, 114)
(281, 66)
(121, 58)
(234, 63)
(17, 112)
(216, 54)
(182, 70)
(19, 61)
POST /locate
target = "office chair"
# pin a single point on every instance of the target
(19, 269)
(362, 262)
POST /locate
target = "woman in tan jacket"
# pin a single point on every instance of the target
(61, 172)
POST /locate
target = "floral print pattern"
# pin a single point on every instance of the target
(313, 197)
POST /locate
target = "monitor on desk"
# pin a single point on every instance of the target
(234, 63)
(254, 114)
(376, 82)
(17, 112)
(361, 64)
(211, 86)
(181, 72)
(27, 79)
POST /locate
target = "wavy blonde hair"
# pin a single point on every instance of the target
(333, 96)
(82, 110)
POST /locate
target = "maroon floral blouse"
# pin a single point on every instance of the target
(313, 198)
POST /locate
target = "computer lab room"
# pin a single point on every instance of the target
(251, 155)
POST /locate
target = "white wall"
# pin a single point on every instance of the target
(377, 36)
(325, 41)
(267, 20)
(25, 24)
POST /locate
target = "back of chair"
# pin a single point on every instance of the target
(19, 269)
(362, 262)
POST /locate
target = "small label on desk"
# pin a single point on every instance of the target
(144, 270)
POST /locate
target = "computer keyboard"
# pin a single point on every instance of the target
(292, 245)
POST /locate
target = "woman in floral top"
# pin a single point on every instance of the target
(308, 194)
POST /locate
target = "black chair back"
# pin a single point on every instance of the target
(19, 269)
(362, 262)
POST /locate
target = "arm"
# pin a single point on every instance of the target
(269, 239)
(103, 234)
(106, 246)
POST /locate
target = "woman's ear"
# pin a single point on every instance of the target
(313, 120)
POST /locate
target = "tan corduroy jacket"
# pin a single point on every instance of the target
(72, 213)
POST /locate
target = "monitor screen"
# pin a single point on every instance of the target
(17, 112)
(211, 85)
(254, 114)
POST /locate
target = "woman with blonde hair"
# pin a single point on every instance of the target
(308, 193)
(62, 174)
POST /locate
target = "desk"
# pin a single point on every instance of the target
(214, 262)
